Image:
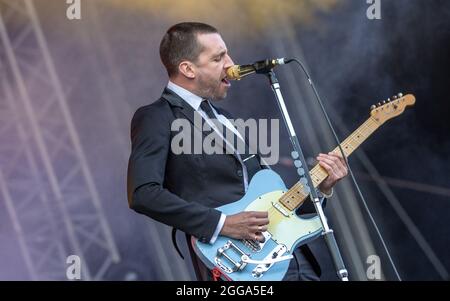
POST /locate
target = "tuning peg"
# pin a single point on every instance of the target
(400, 95)
(394, 97)
(384, 101)
(372, 107)
(379, 104)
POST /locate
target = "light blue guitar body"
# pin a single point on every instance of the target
(285, 232)
(241, 260)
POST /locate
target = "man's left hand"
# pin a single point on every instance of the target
(336, 168)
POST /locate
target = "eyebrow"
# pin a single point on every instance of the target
(222, 53)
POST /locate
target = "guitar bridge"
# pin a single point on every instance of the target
(236, 265)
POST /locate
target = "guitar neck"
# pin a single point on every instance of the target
(295, 195)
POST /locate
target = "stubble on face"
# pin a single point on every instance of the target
(210, 74)
(210, 87)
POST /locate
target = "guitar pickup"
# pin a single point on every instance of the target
(280, 208)
(256, 245)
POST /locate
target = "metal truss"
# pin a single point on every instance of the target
(45, 180)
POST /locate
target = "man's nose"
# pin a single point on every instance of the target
(229, 62)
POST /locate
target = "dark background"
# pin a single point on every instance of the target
(108, 66)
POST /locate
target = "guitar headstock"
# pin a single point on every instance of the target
(390, 108)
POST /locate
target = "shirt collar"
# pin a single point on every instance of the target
(193, 100)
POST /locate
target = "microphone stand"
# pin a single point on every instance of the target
(306, 180)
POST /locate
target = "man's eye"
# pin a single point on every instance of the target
(217, 59)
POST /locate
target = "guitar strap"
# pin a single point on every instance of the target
(174, 242)
(253, 164)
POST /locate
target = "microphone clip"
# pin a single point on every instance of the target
(237, 72)
(263, 67)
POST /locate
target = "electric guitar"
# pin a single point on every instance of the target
(244, 260)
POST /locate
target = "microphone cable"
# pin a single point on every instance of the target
(346, 162)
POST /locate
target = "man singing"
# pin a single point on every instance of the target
(182, 190)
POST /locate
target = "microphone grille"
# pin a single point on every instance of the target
(233, 72)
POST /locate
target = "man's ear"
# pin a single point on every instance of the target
(187, 69)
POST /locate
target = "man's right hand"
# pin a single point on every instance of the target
(246, 225)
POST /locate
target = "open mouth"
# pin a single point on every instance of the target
(226, 82)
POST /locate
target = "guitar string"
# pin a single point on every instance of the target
(352, 142)
(314, 173)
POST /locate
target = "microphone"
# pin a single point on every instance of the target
(237, 72)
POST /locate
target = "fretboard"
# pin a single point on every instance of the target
(295, 196)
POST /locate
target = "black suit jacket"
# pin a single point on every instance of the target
(180, 190)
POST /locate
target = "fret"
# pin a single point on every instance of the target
(295, 196)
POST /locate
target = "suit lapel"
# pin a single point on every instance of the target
(181, 106)
(186, 110)
(249, 151)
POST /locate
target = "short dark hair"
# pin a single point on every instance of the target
(180, 43)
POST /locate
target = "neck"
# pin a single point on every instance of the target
(295, 196)
(185, 84)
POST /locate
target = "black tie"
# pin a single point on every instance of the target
(253, 164)
(206, 107)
